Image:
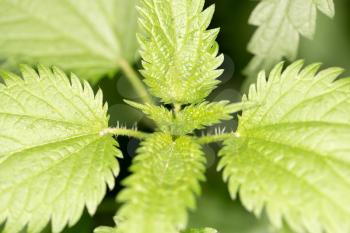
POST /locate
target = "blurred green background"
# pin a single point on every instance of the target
(331, 46)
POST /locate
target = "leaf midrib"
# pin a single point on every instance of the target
(49, 143)
(301, 123)
(322, 157)
(310, 185)
(69, 155)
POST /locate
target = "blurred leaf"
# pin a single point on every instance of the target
(280, 25)
(201, 230)
(331, 42)
(216, 210)
(105, 230)
(87, 37)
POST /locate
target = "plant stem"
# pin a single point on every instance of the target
(124, 132)
(176, 109)
(216, 138)
(135, 81)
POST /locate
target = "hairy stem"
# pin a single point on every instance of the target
(216, 138)
(176, 109)
(124, 132)
(135, 81)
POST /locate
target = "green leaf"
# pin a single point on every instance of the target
(280, 25)
(124, 15)
(201, 230)
(292, 155)
(53, 160)
(166, 174)
(199, 116)
(86, 37)
(105, 230)
(179, 55)
(192, 117)
(163, 117)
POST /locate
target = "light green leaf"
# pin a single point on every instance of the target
(192, 117)
(201, 230)
(105, 230)
(179, 55)
(162, 116)
(280, 25)
(124, 15)
(166, 174)
(292, 155)
(199, 116)
(53, 160)
(84, 36)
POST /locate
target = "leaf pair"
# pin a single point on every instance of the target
(192, 117)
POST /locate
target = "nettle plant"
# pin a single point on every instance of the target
(289, 156)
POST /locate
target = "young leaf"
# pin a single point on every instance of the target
(293, 153)
(53, 160)
(166, 173)
(199, 116)
(195, 116)
(86, 37)
(159, 114)
(280, 23)
(179, 55)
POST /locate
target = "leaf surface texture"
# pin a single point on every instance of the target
(192, 117)
(292, 153)
(166, 175)
(179, 54)
(53, 161)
